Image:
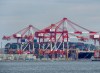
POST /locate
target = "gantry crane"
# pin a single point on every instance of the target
(60, 31)
(22, 35)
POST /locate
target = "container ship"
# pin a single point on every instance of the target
(85, 51)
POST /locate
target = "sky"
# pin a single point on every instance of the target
(18, 14)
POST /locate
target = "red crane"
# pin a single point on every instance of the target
(26, 33)
(60, 31)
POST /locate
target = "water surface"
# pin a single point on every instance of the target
(50, 67)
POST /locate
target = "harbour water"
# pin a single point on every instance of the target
(50, 67)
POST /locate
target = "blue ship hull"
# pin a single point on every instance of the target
(85, 55)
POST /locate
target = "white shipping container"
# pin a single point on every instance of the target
(96, 36)
(18, 35)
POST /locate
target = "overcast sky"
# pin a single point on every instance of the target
(18, 14)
